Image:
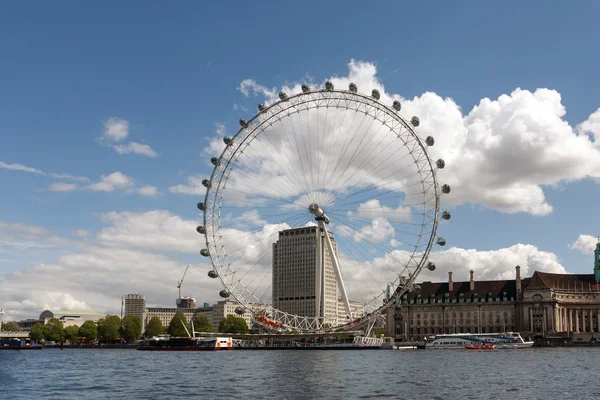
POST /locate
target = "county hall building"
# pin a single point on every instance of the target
(544, 305)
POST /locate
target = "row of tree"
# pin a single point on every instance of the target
(111, 328)
(107, 329)
(180, 327)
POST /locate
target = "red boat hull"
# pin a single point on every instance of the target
(480, 347)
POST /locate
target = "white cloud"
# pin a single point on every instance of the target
(24, 168)
(585, 244)
(395, 243)
(194, 187)
(493, 264)
(96, 278)
(249, 86)
(220, 129)
(149, 191)
(135, 148)
(379, 231)
(250, 218)
(238, 107)
(109, 183)
(116, 181)
(373, 209)
(156, 230)
(81, 233)
(216, 145)
(501, 154)
(591, 126)
(365, 278)
(22, 228)
(63, 187)
(116, 129)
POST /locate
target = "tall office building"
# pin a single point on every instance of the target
(135, 304)
(295, 281)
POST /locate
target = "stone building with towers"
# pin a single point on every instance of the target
(545, 305)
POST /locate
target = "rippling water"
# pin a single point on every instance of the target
(565, 373)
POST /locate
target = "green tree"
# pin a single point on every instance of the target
(88, 330)
(176, 326)
(37, 332)
(154, 327)
(54, 330)
(108, 327)
(202, 324)
(233, 324)
(71, 332)
(131, 328)
(11, 326)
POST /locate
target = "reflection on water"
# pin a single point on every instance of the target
(288, 374)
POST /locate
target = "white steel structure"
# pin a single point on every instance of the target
(335, 161)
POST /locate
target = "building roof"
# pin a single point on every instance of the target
(539, 280)
(546, 280)
(497, 288)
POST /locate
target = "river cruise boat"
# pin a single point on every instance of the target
(186, 344)
(502, 340)
(18, 344)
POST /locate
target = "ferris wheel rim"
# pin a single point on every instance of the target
(219, 262)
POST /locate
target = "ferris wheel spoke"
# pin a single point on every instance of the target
(332, 144)
(339, 186)
(295, 136)
(275, 175)
(344, 150)
(262, 184)
(373, 171)
(255, 193)
(382, 182)
(300, 178)
(357, 150)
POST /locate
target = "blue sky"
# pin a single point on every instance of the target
(173, 73)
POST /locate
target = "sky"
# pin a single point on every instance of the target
(110, 112)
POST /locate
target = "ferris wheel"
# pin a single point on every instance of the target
(322, 210)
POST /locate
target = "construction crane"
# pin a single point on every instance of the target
(181, 281)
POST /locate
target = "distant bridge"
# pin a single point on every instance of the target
(14, 334)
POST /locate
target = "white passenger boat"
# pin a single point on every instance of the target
(502, 340)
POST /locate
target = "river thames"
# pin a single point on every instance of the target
(550, 373)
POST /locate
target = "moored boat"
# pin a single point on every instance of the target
(502, 340)
(17, 344)
(186, 344)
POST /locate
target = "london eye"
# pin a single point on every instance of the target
(322, 210)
